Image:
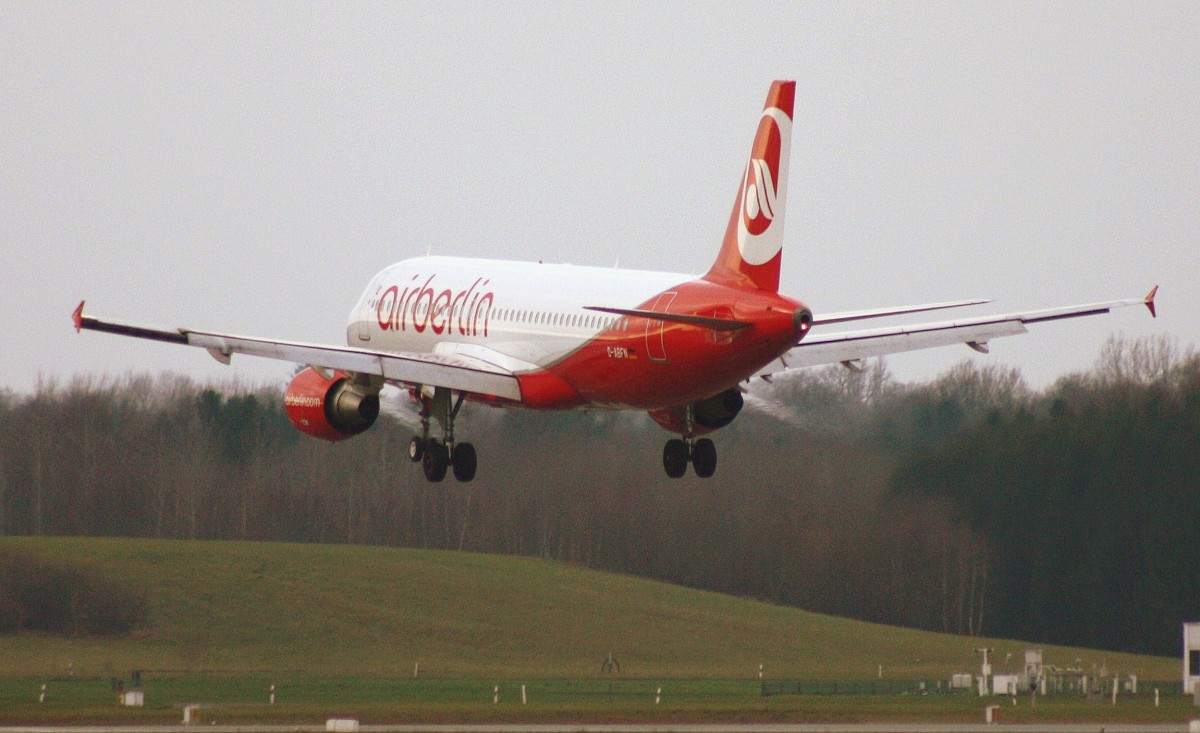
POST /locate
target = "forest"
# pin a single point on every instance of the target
(970, 504)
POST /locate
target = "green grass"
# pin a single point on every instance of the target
(243, 699)
(338, 629)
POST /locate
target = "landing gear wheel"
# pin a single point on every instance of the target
(704, 458)
(675, 458)
(416, 449)
(464, 462)
(435, 461)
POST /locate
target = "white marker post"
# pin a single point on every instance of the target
(42, 697)
(272, 694)
(658, 696)
(524, 700)
(496, 695)
(416, 669)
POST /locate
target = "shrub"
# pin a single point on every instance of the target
(57, 598)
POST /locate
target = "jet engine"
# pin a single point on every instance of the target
(329, 409)
(709, 414)
(719, 410)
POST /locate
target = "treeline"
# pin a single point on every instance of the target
(827, 495)
(1090, 506)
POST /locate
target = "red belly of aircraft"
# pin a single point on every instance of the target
(654, 363)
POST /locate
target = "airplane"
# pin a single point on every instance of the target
(561, 337)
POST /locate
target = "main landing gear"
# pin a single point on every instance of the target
(702, 454)
(438, 456)
(678, 452)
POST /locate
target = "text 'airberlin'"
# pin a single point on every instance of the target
(422, 306)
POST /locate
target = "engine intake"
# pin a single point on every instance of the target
(719, 410)
(329, 409)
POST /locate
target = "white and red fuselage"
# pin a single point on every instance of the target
(598, 337)
(539, 322)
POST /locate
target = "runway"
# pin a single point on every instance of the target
(635, 728)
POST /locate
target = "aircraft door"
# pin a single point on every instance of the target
(364, 321)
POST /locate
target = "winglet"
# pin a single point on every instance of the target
(77, 317)
(1150, 302)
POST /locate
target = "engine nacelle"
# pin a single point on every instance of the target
(719, 410)
(709, 414)
(329, 409)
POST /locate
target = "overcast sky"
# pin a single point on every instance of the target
(247, 167)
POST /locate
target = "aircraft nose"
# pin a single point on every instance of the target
(802, 320)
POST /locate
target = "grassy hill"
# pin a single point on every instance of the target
(370, 611)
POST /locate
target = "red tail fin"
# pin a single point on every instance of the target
(753, 246)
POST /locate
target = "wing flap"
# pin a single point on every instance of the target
(855, 345)
(442, 370)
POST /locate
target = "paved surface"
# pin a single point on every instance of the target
(630, 728)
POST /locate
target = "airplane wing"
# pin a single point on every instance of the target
(883, 312)
(454, 371)
(725, 324)
(849, 347)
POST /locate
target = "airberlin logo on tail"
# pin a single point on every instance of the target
(759, 197)
(421, 306)
(764, 189)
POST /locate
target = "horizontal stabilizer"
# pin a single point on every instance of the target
(716, 324)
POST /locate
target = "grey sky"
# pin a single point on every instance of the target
(248, 167)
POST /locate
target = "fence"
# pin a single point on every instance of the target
(771, 688)
(1066, 687)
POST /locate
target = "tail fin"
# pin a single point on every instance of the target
(753, 246)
